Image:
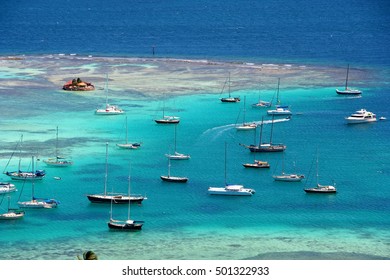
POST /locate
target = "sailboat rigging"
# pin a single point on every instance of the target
(169, 178)
(347, 90)
(279, 109)
(109, 109)
(320, 188)
(167, 119)
(12, 213)
(128, 224)
(230, 189)
(107, 197)
(24, 175)
(37, 202)
(288, 177)
(265, 147)
(127, 145)
(58, 161)
(245, 125)
(176, 155)
(229, 99)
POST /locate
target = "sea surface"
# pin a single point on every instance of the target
(182, 221)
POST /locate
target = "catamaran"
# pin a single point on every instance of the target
(58, 161)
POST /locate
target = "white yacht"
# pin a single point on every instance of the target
(231, 190)
(361, 116)
(280, 110)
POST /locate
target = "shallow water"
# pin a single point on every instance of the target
(183, 221)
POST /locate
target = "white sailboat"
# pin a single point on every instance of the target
(321, 188)
(24, 175)
(128, 224)
(127, 145)
(279, 109)
(58, 161)
(245, 125)
(230, 189)
(288, 177)
(12, 213)
(38, 202)
(347, 90)
(109, 109)
(167, 119)
(176, 155)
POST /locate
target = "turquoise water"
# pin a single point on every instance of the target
(181, 220)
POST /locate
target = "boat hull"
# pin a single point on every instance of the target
(246, 127)
(231, 190)
(26, 175)
(124, 226)
(133, 146)
(256, 165)
(230, 99)
(321, 189)
(349, 92)
(174, 179)
(356, 121)
(267, 149)
(12, 215)
(117, 199)
(288, 178)
(58, 163)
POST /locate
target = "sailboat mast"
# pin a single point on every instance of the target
(346, 80)
(106, 89)
(277, 93)
(243, 119)
(317, 168)
(261, 130)
(175, 137)
(169, 167)
(128, 210)
(106, 174)
(20, 153)
(126, 131)
(57, 144)
(272, 129)
(229, 84)
(33, 178)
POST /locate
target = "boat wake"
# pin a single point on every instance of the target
(217, 131)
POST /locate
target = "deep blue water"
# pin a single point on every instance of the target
(331, 31)
(183, 222)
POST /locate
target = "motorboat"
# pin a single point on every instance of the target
(237, 190)
(280, 110)
(361, 116)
